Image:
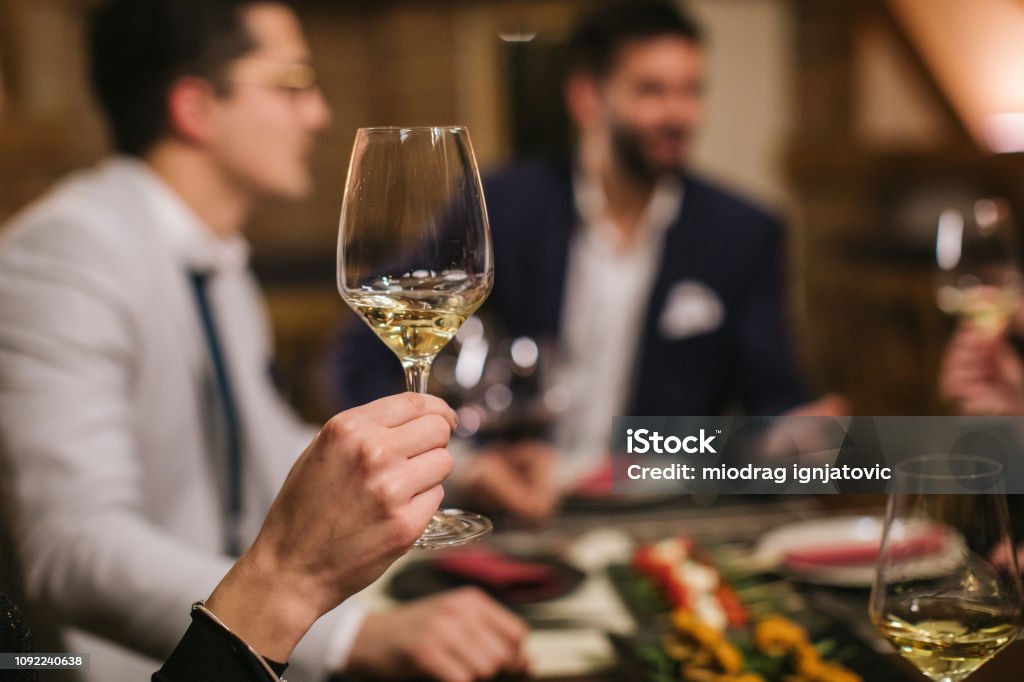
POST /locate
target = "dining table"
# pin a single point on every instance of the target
(573, 637)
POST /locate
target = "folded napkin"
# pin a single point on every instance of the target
(510, 580)
(862, 553)
(494, 570)
(596, 483)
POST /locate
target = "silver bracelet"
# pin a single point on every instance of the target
(201, 607)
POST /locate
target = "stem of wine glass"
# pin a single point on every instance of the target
(451, 527)
(417, 374)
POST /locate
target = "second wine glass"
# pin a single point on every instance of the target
(415, 260)
(947, 592)
(979, 278)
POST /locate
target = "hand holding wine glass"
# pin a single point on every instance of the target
(414, 258)
(948, 611)
(981, 374)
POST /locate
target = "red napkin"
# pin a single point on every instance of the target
(494, 570)
(858, 554)
(597, 483)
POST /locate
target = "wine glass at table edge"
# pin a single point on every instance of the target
(976, 252)
(949, 610)
(415, 260)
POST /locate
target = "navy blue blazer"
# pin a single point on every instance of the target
(727, 244)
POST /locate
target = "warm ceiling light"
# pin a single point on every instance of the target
(1004, 133)
(975, 49)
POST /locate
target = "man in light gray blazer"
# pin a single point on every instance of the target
(144, 440)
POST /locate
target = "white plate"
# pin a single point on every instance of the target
(810, 535)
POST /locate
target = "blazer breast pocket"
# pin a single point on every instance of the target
(691, 308)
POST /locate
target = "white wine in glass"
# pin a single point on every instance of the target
(413, 323)
(945, 639)
(415, 260)
(951, 611)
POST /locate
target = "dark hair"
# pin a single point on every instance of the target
(602, 32)
(138, 48)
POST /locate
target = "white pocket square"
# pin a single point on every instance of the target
(691, 308)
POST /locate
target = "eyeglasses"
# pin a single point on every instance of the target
(291, 77)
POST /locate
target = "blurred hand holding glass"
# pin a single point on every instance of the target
(949, 615)
(979, 275)
(414, 258)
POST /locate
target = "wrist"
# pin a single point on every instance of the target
(268, 609)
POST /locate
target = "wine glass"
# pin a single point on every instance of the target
(415, 260)
(976, 251)
(947, 592)
(502, 386)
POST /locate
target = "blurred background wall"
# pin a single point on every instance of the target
(840, 114)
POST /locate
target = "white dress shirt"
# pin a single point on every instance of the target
(607, 289)
(106, 408)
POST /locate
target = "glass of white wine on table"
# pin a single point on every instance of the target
(979, 278)
(415, 259)
(947, 592)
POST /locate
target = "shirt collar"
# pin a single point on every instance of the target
(662, 208)
(193, 243)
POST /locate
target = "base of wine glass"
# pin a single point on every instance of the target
(453, 527)
(950, 678)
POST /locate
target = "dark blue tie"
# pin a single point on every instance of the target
(229, 408)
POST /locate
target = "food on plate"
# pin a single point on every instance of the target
(776, 635)
(690, 583)
(712, 638)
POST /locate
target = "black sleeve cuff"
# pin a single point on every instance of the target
(207, 652)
